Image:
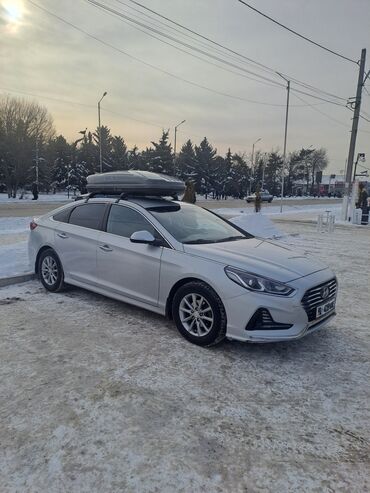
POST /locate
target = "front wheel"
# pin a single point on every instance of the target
(51, 271)
(199, 314)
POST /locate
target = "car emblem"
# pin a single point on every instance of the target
(324, 292)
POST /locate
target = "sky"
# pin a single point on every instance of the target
(47, 60)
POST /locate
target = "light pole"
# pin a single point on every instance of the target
(99, 126)
(285, 139)
(174, 145)
(254, 143)
(263, 170)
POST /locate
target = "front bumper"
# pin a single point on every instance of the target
(283, 310)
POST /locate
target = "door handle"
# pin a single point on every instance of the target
(62, 235)
(106, 248)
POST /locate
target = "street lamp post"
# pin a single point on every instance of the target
(175, 143)
(254, 143)
(99, 126)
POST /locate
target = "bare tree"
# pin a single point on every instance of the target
(23, 126)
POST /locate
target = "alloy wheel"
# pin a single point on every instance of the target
(196, 314)
(49, 270)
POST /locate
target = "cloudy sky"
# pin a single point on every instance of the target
(46, 59)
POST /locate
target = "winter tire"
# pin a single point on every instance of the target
(199, 314)
(51, 271)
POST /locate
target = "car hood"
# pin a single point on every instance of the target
(259, 256)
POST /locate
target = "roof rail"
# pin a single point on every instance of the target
(123, 196)
(90, 196)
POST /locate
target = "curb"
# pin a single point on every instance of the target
(7, 281)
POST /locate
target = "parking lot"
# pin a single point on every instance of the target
(98, 396)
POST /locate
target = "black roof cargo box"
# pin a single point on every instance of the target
(134, 182)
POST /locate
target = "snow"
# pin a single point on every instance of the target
(101, 396)
(312, 210)
(13, 246)
(11, 225)
(43, 197)
(258, 225)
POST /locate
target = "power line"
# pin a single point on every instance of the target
(296, 33)
(132, 23)
(322, 112)
(186, 45)
(364, 118)
(250, 60)
(122, 16)
(150, 65)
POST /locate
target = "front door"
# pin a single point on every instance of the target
(130, 269)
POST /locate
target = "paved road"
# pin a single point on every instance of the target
(16, 209)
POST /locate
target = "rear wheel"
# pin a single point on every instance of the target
(51, 271)
(199, 314)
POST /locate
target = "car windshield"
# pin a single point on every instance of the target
(190, 224)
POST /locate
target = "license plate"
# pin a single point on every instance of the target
(325, 308)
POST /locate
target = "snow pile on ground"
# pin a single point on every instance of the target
(12, 225)
(257, 225)
(287, 209)
(13, 246)
(14, 259)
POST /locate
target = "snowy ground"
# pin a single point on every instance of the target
(43, 197)
(98, 396)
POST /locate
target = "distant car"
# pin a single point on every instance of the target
(265, 197)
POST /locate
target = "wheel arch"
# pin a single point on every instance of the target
(178, 285)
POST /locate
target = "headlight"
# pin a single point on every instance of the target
(257, 283)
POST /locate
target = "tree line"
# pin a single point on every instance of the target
(31, 151)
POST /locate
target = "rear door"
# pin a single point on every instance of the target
(130, 269)
(76, 242)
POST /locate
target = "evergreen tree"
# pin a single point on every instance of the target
(106, 148)
(273, 172)
(240, 176)
(159, 157)
(119, 154)
(205, 156)
(186, 163)
(58, 156)
(135, 159)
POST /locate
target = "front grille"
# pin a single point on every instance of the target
(312, 298)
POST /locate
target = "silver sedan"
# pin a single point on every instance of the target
(212, 278)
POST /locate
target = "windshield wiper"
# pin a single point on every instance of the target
(231, 238)
(199, 241)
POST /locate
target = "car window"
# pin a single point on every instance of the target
(62, 216)
(88, 215)
(124, 221)
(192, 224)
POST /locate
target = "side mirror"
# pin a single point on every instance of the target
(142, 237)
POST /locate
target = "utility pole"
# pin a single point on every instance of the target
(252, 160)
(99, 128)
(285, 140)
(174, 146)
(352, 145)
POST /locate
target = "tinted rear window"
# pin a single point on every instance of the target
(88, 216)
